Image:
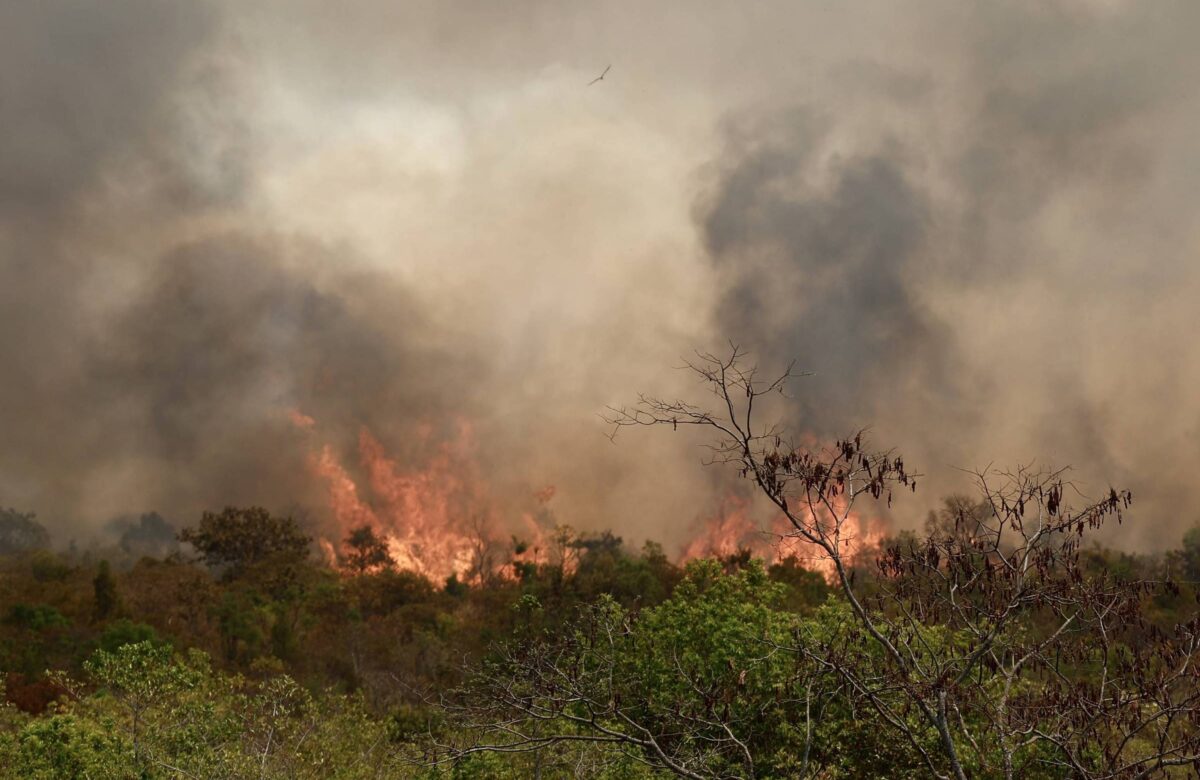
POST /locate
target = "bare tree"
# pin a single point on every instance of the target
(1006, 586)
(986, 646)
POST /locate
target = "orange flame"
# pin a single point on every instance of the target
(733, 529)
(727, 532)
(301, 420)
(422, 511)
(437, 520)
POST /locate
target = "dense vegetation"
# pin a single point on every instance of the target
(998, 643)
(264, 663)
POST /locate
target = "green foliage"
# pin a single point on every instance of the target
(707, 682)
(35, 617)
(723, 649)
(243, 625)
(155, 715)
(711, 652)
(241, 538)
(126, 632)
(317, 674)
(805, 589)
(367, 551)
(67, 747)
(140, 674)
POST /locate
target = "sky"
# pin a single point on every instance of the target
(974, 224)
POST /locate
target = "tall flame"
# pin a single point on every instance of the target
(439, 519)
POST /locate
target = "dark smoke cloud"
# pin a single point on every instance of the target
(200, 373)
(84, 87)
(974, 223)
(822, 272)
(151, 362)
(83, 90)
(971, 288)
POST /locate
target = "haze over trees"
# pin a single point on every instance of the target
(20, 532)
(985, 648)
(997, 643)
(236, 540)
(309, 310)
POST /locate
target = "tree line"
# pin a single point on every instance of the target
(999, 641)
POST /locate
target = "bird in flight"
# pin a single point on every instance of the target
(601, 76)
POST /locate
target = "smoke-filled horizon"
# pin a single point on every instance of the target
(973, 223)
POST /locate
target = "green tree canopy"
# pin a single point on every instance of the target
(240, 538)
(368, 551)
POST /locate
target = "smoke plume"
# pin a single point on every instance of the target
(974, 224)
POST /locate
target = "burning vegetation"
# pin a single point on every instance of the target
(440, 520)
(734, 530)
(804, 639)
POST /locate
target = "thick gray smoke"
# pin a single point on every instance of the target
(974, 223)
(985, 252)
(824, 274)
(155, 339)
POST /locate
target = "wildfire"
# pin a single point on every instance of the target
(727, 532)
(733, 529)
(439, 518)
(301, 420)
